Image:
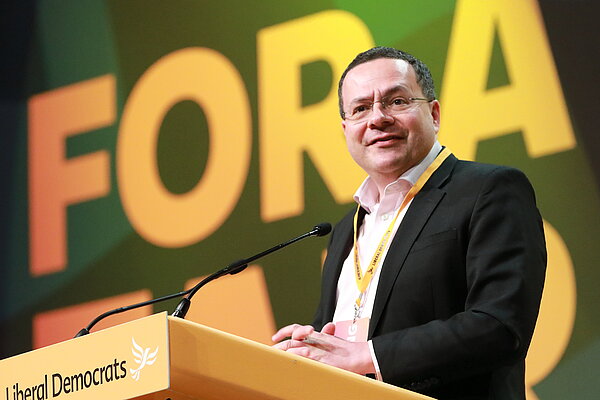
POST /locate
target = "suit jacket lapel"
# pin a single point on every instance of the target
(415, 219)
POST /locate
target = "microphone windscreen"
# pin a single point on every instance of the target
(322, 229)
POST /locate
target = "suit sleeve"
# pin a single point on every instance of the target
(505, 261)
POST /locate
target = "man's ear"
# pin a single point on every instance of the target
(435, 114)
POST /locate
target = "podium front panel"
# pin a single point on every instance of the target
(122, 362)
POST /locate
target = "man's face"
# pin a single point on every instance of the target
(386, 145)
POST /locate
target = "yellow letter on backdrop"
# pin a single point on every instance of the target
(287, 129)
(533, 101)
(55, 181)
(557, 313)
(208, 78)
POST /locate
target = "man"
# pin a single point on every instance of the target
(444, 276)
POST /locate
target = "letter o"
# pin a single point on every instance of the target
(209, 79)
(557, 313)
(87, 379)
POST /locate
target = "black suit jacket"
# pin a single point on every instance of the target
(460, 287)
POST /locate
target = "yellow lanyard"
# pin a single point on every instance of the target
(363, 281)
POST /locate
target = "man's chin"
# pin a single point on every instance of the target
(390, 167)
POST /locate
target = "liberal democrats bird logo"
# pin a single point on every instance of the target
(143, 357)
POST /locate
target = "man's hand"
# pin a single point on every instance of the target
(326, 348)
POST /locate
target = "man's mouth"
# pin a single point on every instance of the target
(385, 139)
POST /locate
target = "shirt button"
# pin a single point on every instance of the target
(385, 217)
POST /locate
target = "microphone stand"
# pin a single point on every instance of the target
(232, 269)
(119, 310)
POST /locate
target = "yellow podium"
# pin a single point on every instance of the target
(161, 357)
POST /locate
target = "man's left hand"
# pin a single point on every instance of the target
(326, 348)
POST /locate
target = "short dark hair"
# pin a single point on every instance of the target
(424, 78)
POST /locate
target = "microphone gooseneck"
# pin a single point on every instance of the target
(182, 308)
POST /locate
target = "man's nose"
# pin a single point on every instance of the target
(379, 116)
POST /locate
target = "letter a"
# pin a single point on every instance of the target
(533, 101)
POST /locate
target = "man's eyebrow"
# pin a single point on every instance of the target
(386, 93)
(396, 89)
(360, 99)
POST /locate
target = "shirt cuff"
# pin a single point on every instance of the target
(375, 363)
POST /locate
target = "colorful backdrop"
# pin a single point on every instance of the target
(146, 144)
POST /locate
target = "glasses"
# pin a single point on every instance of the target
(394, 105)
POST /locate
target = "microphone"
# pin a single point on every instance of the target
(182, 308)
(321, 229)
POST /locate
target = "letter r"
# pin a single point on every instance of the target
(289, 130)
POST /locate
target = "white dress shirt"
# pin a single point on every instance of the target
(380, 213)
